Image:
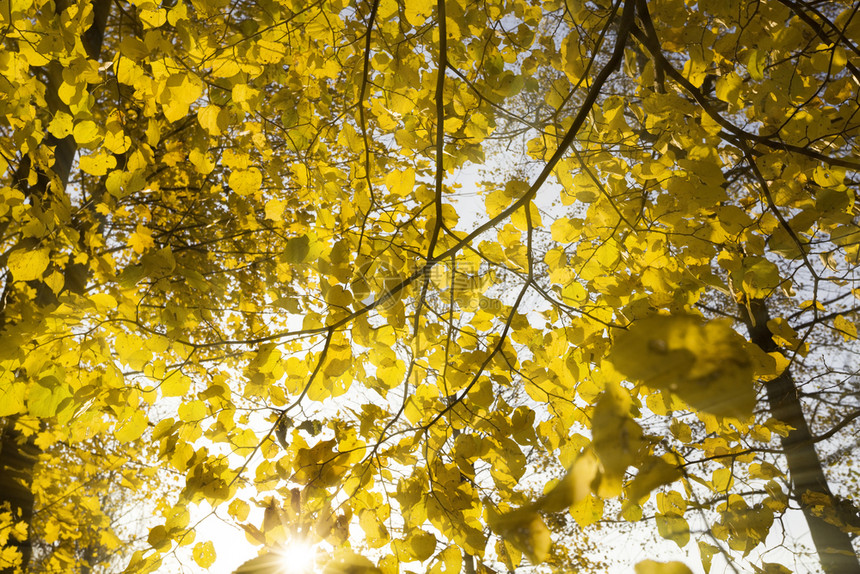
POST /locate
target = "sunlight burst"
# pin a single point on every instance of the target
(298, 557)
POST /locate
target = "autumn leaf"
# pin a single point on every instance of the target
(705, 363)
(525, 529)
(141, 239)
(204, 554)
(653, 567)
(27, 265)
(429, 279)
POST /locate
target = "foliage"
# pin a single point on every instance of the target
(235, 252)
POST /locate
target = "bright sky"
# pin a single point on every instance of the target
(623, 546)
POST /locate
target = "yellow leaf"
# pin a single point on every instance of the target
(704, 363)
(268, 563)
(12, 398)
(85, 132)
(587, 511)
(177, 13)
(728, 88)
(153, 18)
(175, 385)
(98, 163)
(158, 343)
(774, 568)
(449, 561)
(518, 218)
(422, 545)
(417, 11)
(761, 277)
(722, 479)
(573, 487)
(756, 63)
(28, 265)
(496, 202)
(674, 528)
(132, 428)
(158, 537)
(47, 397)
(344, 561)
(297, 249)
(141, 239)
(270, 52)
(103, 301)
(386, 9)
(616, 436)
(239, 509)
(243, 93)
(846, 328)
(764, 470)
(204, 554)
(375, 531)
(401, 182)
(707, 551)
(275, 209)
(181, 91)
(526, 531)
(246, 181)
(212, 119)
(61, 125)
(654, 472)
(246, 438)
(564, 230)
(652, 567)
(115, 140)
(671, 502)
(192, 411)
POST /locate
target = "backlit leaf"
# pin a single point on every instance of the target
(27, 265)
(204, 554)
(705, 363)
(132, 428)
(245, 182)
(653, 567)
(47, 397)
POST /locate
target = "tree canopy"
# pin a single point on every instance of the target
(438, 285)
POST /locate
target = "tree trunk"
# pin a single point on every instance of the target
(833, 545)
(18, 454)
(17, 458)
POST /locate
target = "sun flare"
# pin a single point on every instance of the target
(298, 557)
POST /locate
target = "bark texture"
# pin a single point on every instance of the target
(832, 544)
(19, 453)
(17, 458)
